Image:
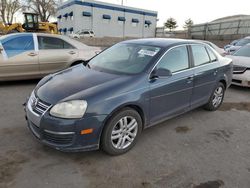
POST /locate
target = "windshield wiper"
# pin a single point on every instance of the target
(86, 64)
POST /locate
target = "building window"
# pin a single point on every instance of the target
(135, 22)
(86, 14)
(121, 20)
(65, 31)
(71, 30)
(59, 18)
(106, 17)
(66, 16)
(147, 23)
(71, 15)
(60, 31)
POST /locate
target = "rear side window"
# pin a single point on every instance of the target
(15, 45)
(52, 43)
(175, 60)
(200, 55)
(213, 57)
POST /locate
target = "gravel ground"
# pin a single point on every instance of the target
(199, 149)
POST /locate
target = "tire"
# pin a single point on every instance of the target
(216, 98)
(125, 127)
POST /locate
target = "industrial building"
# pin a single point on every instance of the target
(105, 19)
(230, 27)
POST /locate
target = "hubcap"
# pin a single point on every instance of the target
(217, 98)
(124, 132)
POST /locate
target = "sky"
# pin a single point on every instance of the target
(199, 11)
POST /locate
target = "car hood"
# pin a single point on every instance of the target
(240, 60)
(76, 82)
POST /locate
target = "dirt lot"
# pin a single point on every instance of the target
(197, 150)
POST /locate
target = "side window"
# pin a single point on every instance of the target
(15, 45)
(213, 57)
(200, 55)
(175, 60)
(52, 43)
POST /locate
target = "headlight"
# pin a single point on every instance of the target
(70, 109)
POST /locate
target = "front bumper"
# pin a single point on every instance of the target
(242, 79)
(65, 134)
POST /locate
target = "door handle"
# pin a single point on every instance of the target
(190, 79)
(32, 54)
(72, 52)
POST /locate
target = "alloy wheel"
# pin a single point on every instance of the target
(124, 132)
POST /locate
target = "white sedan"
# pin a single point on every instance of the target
(34, 55)
(241, 71)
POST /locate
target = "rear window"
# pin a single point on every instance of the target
(200, 55)
(52, 43)
(213, 57)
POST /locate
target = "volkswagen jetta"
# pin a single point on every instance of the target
(108, 101)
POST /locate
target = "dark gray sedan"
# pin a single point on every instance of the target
(132, 85)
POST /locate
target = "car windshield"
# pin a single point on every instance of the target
(243, 51)
(124, 59)
(242, 42)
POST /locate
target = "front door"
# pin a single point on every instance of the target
(171, 95)
(19, 57)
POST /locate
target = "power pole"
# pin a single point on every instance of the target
(122, 3)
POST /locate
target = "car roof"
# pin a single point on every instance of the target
(161, 42)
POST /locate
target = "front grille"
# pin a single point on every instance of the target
(60, 139)
(239, 69)
(37, 105)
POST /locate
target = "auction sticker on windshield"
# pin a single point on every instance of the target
(148, 52)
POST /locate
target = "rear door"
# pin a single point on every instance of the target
(205, 74)
(19, 58)
(55, 54)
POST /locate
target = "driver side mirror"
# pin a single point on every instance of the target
(161, 72)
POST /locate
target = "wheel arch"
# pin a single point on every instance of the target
(135, 107)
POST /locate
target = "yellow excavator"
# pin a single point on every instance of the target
(11, 28)
(31, 24)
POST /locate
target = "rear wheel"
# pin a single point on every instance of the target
(216, 98)
(121, 132)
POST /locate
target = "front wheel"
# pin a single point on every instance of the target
(216, 98)
(121, 132)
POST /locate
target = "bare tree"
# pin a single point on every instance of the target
(8, 8)
(44, 8)
(3, 5)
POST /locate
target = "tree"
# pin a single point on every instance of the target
(188, 24)
(8, 8)
(44, 8)
(171, 24)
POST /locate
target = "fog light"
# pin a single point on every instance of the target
(86, 131)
